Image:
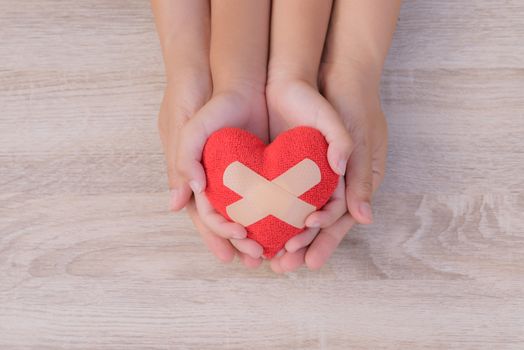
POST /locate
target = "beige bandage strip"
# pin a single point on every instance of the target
(261, 197)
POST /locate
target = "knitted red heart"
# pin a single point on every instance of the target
(271, 188)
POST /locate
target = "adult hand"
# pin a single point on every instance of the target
(358, 39)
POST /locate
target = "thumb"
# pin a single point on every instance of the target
(359, 185)
(192, 139)
(328, 122)
(180, 192)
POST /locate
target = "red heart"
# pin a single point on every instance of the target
(289, 148)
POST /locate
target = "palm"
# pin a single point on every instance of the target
(177, 109)
(360, 108)
(233, 110)
(292, 105)
(223, 110)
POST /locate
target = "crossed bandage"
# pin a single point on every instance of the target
(279, 197)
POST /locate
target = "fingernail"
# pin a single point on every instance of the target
(313, 224)
(341, 167)
(257, 255)
(280, 253)
(195, 186)
(365, 211)
(175, 193)
(239, 235)
(290, 249)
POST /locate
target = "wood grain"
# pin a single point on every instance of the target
(91, 259)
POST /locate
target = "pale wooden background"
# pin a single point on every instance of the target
(91, 259)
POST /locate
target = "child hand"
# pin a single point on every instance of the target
(295, 102)
(246, 110)
(178, 105)
(238, 62)
(193, 52)
(298, 30)
(359, 107)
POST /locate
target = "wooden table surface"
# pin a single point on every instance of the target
(90, 258)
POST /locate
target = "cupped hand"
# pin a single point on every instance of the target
(181, 104)
(295, 102)
(182, 99)
(348, 89)
(358, 105)
(244, 108)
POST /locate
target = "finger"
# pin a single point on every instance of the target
(301, 240)
(291, 261)
(275, 265)
(192, 139)
(216, 222)
(359, 184)
(281, 252)
(219, 246)
(326, 242)
(248, 261)
(315, 111)
(216, 114)
(180, 193)
(179, 196)
(329, 123)
(332, 211)
(248, 246)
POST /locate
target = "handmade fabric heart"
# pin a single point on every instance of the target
(269, 189)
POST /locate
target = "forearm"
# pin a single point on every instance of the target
(298, 30)
(360, 36)
(183, 28)
(239, 44)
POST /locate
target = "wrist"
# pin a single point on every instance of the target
(188, 87)
(355, 93)
(182, 76)
(283, 73)
(245, 87)
(351, 76)
(182, 60)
